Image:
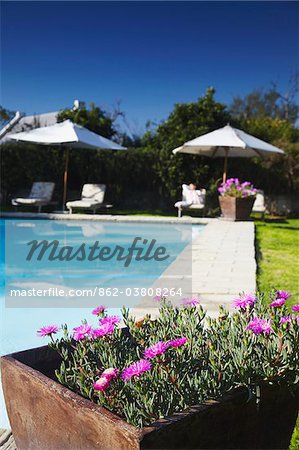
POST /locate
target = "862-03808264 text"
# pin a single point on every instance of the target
(97, 291)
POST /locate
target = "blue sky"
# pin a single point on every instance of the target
(149, 55)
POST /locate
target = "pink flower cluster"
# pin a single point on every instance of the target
(99, 310)
(143, 365)
(289, 320)
(161, 347)
(113, 320)
(286, 320)
(104, 381)
(244, 301)
(136, 369)
(103, 330)
(155, 350)
(295, 308)
(281, 297)
(48, 330)
(82, 331)
(107, 326)
(260, 326)
(234, 188)
(177, 342)
(190, 301)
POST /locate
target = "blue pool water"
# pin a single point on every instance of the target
(19, 324)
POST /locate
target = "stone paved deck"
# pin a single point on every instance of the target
(223, 265)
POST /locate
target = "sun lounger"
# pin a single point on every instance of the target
(40, 195)
(259, 204)
(92, 197)
(185, 206)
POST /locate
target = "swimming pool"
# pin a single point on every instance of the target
(19, 323)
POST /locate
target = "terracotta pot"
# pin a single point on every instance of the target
(235, 208)
(44, 415)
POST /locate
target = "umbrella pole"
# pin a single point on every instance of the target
(225, 166)
(66, 164)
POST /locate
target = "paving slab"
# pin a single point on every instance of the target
(223, 263)
(223, 266)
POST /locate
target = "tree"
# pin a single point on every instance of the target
(277, 173)
(94, 119)
(185, 122)
(269, 103)
(5, 116)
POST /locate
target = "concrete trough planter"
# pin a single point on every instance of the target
(236, 208)
(44, 415)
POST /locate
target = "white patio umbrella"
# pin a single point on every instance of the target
(66, 135)
(228, 142)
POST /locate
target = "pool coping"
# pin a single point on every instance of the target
(109, 218)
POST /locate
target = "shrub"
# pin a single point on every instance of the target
(153, 368)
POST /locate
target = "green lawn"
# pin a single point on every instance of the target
(277, 244)
(278, 255)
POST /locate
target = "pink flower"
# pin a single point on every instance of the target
(281, 297)
(244, 301)
(286, 319)
(177, 342)
(103, 330)
(295, 308)
(157, 298)
(190, 301)
(277, 302)
(48, 330)
(136, 369)
(110, 319)
(82, 332)
(99, 310)
(109, 373)
(258, 325)
(283, 294)
(156, 349)
(101, 384)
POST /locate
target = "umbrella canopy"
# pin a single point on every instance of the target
(228, 142)
(66, 135)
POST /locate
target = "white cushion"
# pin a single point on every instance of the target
(201, 195)
(93, 192)
(28, 201)
(83, 203)
(259, 204)
(92, 196)
(200, 206)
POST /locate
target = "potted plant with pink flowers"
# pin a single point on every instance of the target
(236, 199)
(181, 381)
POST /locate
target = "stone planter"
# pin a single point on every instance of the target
(236, 208)
(44, 415)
